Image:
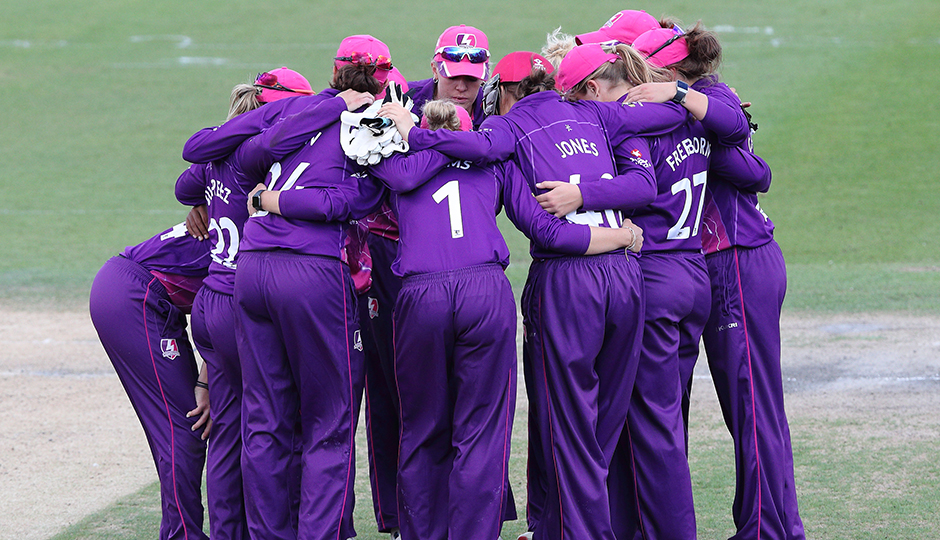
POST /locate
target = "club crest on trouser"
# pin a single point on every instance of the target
(357, 341)
(169, 348)
(373, 307)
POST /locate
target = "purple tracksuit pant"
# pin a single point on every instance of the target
(298, 340)
(145, 337)
(650, 483)
(381, 396)
(213, 328)
(583, 326)
(742, 342)
(455, 366)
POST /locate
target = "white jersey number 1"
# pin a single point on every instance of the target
(451, 192)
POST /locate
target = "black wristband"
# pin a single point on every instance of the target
(682, 89)
(201, 384)
(256, 200)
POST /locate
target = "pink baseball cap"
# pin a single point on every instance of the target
(396, 76)
(624, 27)
(518, 65)
(462, 50)
(281, 83)
(662, 47)
(580, 62)
(365, 49)
(466, 124)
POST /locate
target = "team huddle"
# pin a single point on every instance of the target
(342, 250)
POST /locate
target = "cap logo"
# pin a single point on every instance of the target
(610, 22)
(537, 64)
(466, 40)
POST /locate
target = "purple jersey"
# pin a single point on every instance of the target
(452, 206)
(724, 120)
(732, 215)
(225, 183)
(672, 221)
(227, 202)
(177, 259)
(213, 143)
(316, 202)
(573, 146)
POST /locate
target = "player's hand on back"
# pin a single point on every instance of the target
(561, 199)
(197, 222)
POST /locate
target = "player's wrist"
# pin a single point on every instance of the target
(682, 90)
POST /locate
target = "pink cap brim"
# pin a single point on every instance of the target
(592, 37)
(457, 69)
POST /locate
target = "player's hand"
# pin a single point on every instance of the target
(637, 238)
(561, 198)
(744, 104)
(202, 411)
(354, 100)
(197, 222)
(400, 115)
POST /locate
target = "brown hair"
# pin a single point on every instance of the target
(356, 77)
(441, 114)
(537, 81)
(631, 68)
(704, 51)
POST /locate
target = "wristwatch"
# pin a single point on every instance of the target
(682, 89)
(256, 200)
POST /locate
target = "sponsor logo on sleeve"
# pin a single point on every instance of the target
(373, 307)
(636, 156)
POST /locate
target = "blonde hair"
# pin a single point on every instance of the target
(631, 68)
(244, 99)
(557, 45)
(441, 113)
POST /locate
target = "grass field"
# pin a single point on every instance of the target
(101, 95)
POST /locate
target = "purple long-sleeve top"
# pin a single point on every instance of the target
(214, 143)
(551, 139)
(321, 189)
(224, 184)
(672, 221)
(224, 189)
(177, 259)
(447, 213)
(732, 214)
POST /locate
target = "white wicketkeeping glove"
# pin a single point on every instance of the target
(368, 138)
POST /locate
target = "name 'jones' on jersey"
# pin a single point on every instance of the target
(571, 147)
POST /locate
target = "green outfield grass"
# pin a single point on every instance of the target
(99, 97)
